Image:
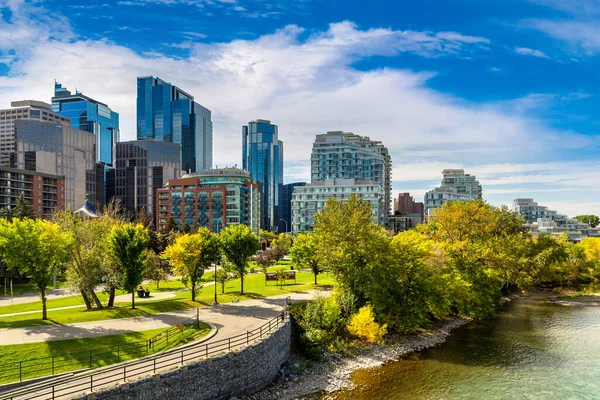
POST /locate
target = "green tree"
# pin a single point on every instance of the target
(23, 208)
(126, 245)
(6, 213)
(37, 248)
(265, 259)
(592, 220)
(239, 244)
(282, 244)
(281, 274)
(171, 225)
(223, 277)
(157, 270)
(191, 255)
(304, 253)
(267, 235)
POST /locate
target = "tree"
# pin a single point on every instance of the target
(282, 244)
(267, 235)
(171, 225)
(126, 245)
(6, 213)
(144, 219)
(281, 274)
(157, 270)
(304, 253)
(591, 220)
(223, 277)
(265, 259)
(23, 208)
(239, 244)
(191, 255)
(86, 256)
(37, 248)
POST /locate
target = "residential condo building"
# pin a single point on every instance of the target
(404, 204)
(455, 186)
(344, 155)
(310, 199)
(214, 199)
(285, 206)
(168, 114)
(262, 156)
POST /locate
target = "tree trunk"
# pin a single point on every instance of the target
(316, 273)
(88, 305)
(223, 288)
(44, 312)
(111, 297)
(157, 282)
(242, 287)
(193, 292)
(133, 299)
(97, 300)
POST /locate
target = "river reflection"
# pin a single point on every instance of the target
(532, 350)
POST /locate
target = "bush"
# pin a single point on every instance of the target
(363, 325)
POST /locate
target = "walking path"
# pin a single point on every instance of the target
(231, 319)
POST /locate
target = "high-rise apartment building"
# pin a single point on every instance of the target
(46, 142)
(531, 210)
(214, 199)
(344, 155)
(27, 109)
(262, 156)
(92, 116)
(310, 199)
(168, 114)
(405, 204)
(456, 185)
(285, 206)
(143, 167)
(46, 193)
(463, 183)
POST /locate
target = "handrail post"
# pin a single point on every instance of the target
(247, 337)
(229, 344)
(154, 367)
(206, 350)
(124, 373)
(261, 332)
(92, 383)
(181, 357)
(118, 354)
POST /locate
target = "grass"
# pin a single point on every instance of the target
(75, 354)
(22, 288)
(254, 287)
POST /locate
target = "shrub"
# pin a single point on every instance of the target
(363, 325)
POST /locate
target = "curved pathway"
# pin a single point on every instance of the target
(231, 319)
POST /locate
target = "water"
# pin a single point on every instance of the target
(532, 350)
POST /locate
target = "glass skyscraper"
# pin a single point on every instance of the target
(262, 155)
(168, 114)
(91, 116)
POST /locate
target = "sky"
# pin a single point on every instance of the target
(506, 89)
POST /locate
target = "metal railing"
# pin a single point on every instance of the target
(91, 358)
(109, 376)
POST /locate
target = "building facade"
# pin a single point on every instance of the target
(310, 199)
(285, 206)
(213, 199)
(262, 156)
(531, 210)
(168, 114)
(56, 148)
(344, 155)
(92, 116)
(463, 183)
(27, 109)
(399, 222)
(45, 192)
(143, 167)
(405, 204)
(435, 198)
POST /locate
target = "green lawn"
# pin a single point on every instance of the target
(74, 354)
(254, 287)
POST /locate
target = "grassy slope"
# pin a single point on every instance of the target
(73, 354)
(254, 287)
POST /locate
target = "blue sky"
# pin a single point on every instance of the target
(506, 89)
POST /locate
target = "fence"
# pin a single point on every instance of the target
(92, 358)
(173, 358)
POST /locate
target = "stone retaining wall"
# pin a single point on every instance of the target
(237, 373)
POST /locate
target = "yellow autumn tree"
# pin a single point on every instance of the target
(363, 325)
(191, 254)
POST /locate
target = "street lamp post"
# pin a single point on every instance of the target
(216, 260)
(286, 225)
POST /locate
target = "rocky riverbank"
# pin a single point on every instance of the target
(300, 379)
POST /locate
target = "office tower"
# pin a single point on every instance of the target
(143, 167)
(344, 155)
(285, 206)
(28, 109)
(405, 204)
(168, 114)
(45, 192)
(262, 156)
(455, 186)
(92, 116)
(47, 143)
(463, 183)
(309, 199)
(214, 199)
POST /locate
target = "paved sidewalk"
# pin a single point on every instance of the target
(231, 319)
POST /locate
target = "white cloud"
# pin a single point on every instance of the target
(305, 85)
(530, 52)
(582, 35)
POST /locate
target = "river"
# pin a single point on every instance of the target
(533, 349)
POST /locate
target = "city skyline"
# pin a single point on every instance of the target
(398, 83)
